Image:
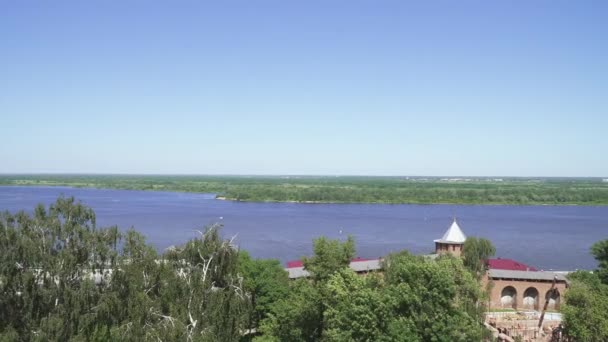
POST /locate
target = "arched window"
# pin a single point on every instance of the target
(531, 298)
(508, 297)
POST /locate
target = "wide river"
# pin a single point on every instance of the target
(548, 237)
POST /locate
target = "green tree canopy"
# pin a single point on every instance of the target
(415, 300)
(62, 278)
(586, 308)
(299, 316)
(357, 309)
(586, 302)
(437, 298)
(266, 281)
(476, 252)
(329, 257)
(600, 252)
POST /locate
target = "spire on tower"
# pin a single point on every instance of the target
(453, 235)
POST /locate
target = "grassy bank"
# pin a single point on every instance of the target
(582, 191)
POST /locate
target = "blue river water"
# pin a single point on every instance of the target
(547, 237)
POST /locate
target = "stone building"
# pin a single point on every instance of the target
(525, 290)
(512, 285)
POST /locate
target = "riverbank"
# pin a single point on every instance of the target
(222, 198)
(348, 189)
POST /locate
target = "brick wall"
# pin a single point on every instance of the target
(523, 294)
(444, 248)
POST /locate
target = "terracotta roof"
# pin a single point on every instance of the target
(453, 235)
(509, 264)
(295, 263)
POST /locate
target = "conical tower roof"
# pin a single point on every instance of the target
(453, 235)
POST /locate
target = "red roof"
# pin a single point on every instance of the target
(509, 264)
(295, 263)
(299, 263)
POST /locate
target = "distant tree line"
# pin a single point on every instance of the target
(348, 189)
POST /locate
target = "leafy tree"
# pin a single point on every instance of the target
(435, 299)
(299, 316)
(586, 308)
(266, 281)
(416, 300)
(62, 278)
(214, 306)
(476, 252)
(357, 309)
(46, 269)
(586, 302)
(600, 252)
(329, 257)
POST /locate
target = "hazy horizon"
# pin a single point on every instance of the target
(294, 175)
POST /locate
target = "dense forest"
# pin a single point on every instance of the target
(62, 278)
(349, 189)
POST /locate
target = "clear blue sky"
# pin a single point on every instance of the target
(510, 88)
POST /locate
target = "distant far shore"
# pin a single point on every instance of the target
(223, 198)
(349, 189)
